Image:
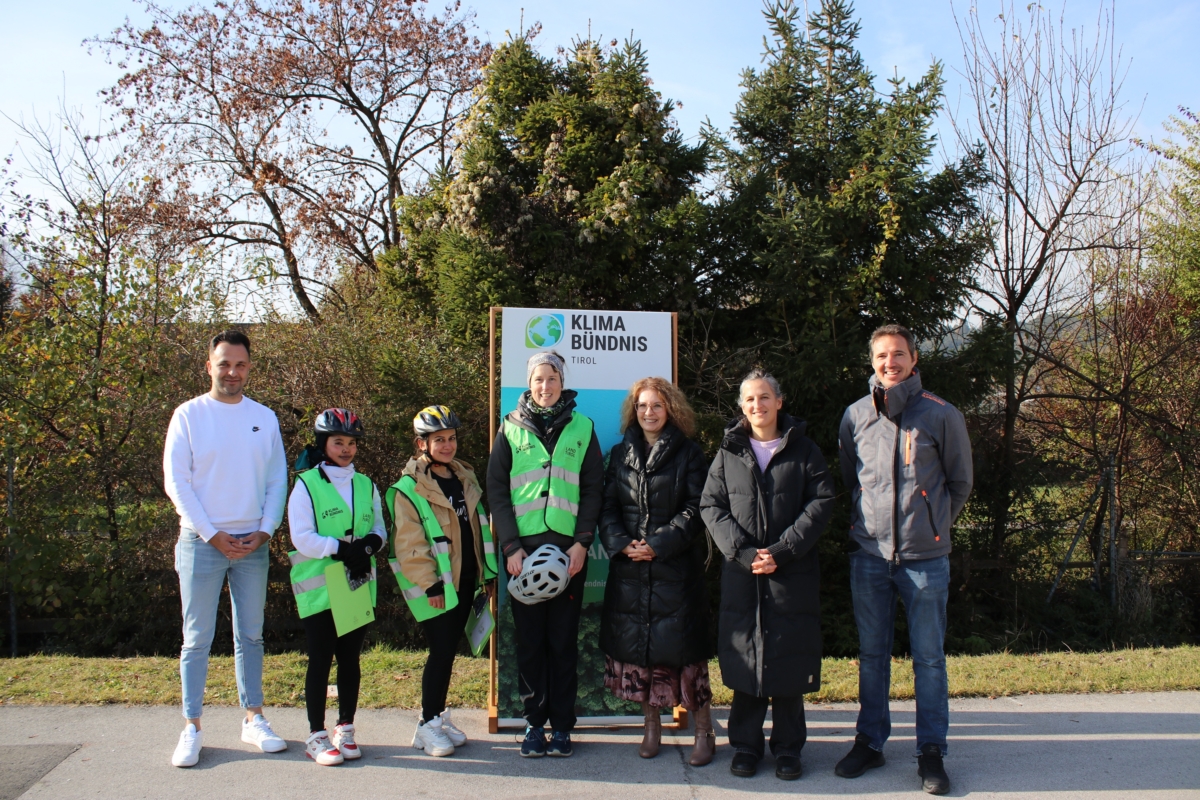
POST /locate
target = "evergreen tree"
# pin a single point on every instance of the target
(1176, 222)
(574, 188)
(829, 223)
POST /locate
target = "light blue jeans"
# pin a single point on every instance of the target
(924, 587)
(202, 571)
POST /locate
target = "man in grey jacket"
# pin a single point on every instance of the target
(906, 459)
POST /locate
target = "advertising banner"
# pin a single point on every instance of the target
(605, 352)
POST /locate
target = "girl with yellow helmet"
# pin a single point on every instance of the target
(444, 557)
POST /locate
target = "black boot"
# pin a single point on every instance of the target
(861, 758)
(744, 765)
(933, 775)
(787, 768)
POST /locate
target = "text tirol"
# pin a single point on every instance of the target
(592, 339)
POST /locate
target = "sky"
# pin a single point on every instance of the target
(697, 48)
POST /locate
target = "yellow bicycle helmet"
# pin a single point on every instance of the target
(432, 419)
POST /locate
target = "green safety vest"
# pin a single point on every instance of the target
(336, 521)
(439, 545)
(545, 488)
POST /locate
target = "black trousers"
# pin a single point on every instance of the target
(548, 656)
(323, 645)
(442, 633)
(788, 730)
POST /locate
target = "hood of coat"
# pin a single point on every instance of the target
(428, 487)
(891, 402)
(660, 453)
(737, 434)
(527, 416)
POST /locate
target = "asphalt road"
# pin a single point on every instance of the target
(1059, 746)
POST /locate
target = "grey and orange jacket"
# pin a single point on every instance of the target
(906, 459)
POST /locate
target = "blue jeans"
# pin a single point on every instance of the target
(202, 571)
(924, 587)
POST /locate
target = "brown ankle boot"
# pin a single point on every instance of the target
(706, 739)
(653, 737)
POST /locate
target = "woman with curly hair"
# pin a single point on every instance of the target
(655, 624)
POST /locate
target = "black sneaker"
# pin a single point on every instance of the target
(534, 745)
(560, 745)
(934, 779)
(787, 768)
(861, 758)
(744, 765)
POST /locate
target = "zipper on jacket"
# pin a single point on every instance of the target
(937, 537)
(907, 448)
(896, 501)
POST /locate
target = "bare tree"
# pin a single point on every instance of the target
(1044, 103)
(102, 259)
(260, 106)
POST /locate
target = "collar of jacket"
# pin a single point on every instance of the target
(342, 474)
(896, 398)
(660, 453)
(540, 426)
(427, 486)
(737, 433)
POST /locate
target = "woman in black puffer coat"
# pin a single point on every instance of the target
(655, 624)
(768, 498)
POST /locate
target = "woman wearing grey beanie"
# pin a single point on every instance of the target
(545, 485)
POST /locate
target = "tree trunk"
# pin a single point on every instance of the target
(110, 510)
(1006, 469)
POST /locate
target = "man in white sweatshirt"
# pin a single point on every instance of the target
(226, 473)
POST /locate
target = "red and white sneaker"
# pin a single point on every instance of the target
(343, 740)
(321, 750)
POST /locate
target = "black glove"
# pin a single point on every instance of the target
(355, 555)
(357, 561)
(365, 547)
(437, 590)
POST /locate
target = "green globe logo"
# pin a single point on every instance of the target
(544, 330)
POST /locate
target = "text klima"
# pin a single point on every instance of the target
(596, 322)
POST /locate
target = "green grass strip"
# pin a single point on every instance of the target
(392, 679)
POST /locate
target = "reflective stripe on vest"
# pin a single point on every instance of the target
(489, 548)
(544, 487)
(439, 548)
(318, 582)
(336, 521)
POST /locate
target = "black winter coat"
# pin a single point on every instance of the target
(769, 634)
(655, 612)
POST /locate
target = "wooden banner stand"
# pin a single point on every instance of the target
(678, 719)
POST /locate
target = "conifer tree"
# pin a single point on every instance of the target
(830, 222)
(574, 188)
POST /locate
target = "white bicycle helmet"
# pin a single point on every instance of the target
(544, 575)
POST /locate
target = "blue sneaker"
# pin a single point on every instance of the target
(534, 745)
(560, 745)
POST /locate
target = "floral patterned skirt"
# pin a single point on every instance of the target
(661, 687)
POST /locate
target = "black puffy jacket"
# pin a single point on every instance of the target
(769, 634)
(655, 612)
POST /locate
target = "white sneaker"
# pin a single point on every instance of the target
(187, 752)
(343, 740)
(320, 750)
(432, 739)
(258, 732)
(456, 737)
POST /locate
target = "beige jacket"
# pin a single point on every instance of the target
(409, 542)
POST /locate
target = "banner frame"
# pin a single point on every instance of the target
(678, 718)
